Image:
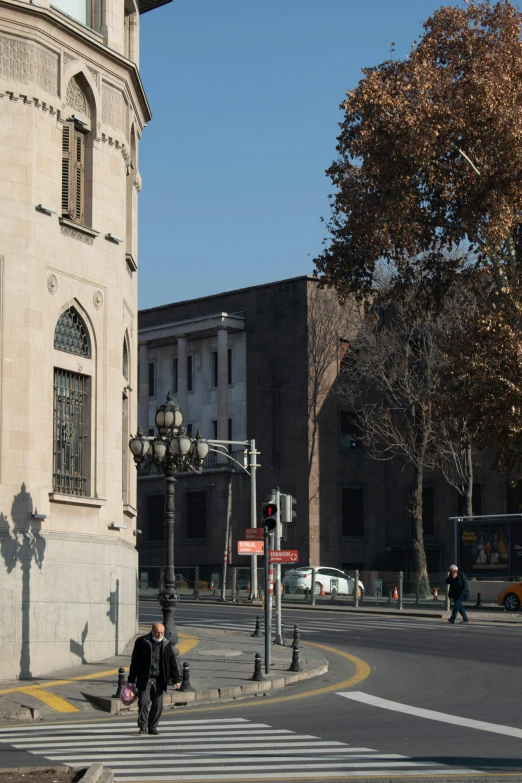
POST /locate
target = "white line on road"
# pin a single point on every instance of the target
(420, 712)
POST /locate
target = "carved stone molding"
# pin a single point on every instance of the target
(95, 77)
(26, 62)
(97, 299)
(113, 108)
(67, 58)
(76, 99)
(72, 232)
(52, 284)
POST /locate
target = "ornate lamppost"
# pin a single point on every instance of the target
(171, 451)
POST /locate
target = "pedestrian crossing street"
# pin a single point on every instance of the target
(210, 750)
(333, 624)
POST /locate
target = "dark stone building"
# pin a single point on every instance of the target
(240, 366)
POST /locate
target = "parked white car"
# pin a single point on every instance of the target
(335, 582)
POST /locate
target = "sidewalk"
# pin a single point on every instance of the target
(489, 612)
(221, 667)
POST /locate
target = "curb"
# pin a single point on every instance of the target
(96, 773)
(182, 698)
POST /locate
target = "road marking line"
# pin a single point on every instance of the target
(442, 717)
(59, 704)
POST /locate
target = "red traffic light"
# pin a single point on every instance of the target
(270, 509)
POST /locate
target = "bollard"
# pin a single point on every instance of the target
(257, 676)
(312, 591)
(196, 583)
(185, 678)
(356, 589)
(306, 593)
(401, 590)
(121, 682)
(234, 585)
(257, 631)
(390, 596)
(479, 601)
(295, 666)
(447, 606)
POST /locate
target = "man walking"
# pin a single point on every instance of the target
(153, 667)
(459, 592)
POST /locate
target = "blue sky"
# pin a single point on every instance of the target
(245, 99)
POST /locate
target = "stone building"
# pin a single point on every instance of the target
(72, 111)
(242, 364)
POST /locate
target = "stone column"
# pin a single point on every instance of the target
(222, 379)
(182, 396)
(143, 388)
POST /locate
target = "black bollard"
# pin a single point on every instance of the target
(295, 666)
(121, 682)
(257, 676)
(297, 637)
(479, 601)
(257, 631)
(185, 680)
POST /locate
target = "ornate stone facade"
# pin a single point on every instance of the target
(68, 562)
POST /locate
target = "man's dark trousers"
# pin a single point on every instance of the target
(458, 606)
(153, 696)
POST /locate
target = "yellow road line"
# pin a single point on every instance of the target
(59, 704)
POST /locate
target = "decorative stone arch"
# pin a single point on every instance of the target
(88, 86)
(74, 304)
(126, 368)
(130, 190)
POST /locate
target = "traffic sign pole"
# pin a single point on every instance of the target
(268, 604)
(279, 624)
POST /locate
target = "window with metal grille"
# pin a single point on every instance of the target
(71, 416)
(196, 515)
(71, 335)
(175, 375)
(73, 173)
(125, 360)
(190, 374)
(155, 517)
(152, 379)
(352, 511)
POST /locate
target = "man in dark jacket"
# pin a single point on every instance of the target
(153, 667)
(458, 591)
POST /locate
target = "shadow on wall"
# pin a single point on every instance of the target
(113, 613)
(21, 543)
(79, 649)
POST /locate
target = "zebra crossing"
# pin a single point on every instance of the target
(211, 750)
(312, 626)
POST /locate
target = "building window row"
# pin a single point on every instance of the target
(190, 373)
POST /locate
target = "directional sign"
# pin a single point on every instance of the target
(254, 533)
(283, 556)
(250, 547)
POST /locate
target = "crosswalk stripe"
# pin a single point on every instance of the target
(208, 750)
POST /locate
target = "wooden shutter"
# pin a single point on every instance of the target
(67, 169)
(79, 176)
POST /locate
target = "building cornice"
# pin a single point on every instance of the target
(88, 37)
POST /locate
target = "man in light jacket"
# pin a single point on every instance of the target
(458, 592)
(153, 667)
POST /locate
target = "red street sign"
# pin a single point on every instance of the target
(250, 547)
(254, 533)
(283, 556)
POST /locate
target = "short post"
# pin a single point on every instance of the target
(234, 584)
(447, 606)
(313, 588)
(257, 631)
(306, 593)
(390, 595)
(258, 675)
(401, 580)
(185, 679)
(356, 589)
(295, 666)
(479, 601)
(196, 583)
(121, 682)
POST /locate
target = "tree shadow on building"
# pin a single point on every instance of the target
(21, 543)
(113, 613)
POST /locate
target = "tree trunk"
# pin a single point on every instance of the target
(469, 481)
(420, 568)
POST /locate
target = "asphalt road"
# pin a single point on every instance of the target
(440, 701)
(472, 672)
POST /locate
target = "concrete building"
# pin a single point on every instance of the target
(72, 112)
(261, 363)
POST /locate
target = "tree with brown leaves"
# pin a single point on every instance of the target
(430, 153)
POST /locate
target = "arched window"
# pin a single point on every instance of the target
(125, 360)
(77, 152)
(71, 334)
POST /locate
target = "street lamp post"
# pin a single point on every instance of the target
(171, 451)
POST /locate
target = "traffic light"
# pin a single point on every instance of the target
(270, 515)
(288, 513)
